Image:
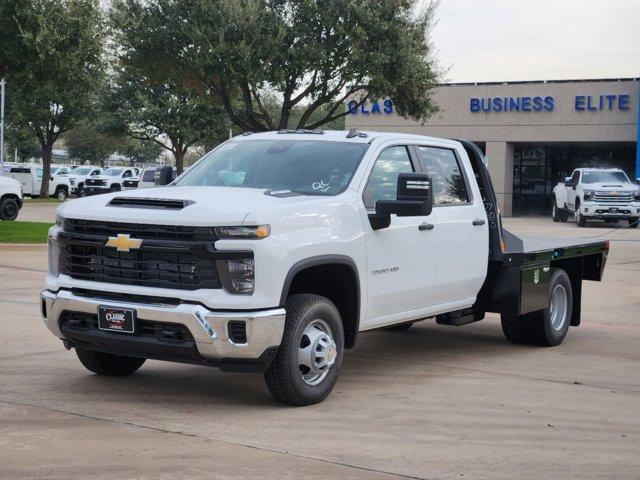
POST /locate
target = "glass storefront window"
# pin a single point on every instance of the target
(537, 168)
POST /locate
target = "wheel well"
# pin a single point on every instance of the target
(62, 187)
(10, 195)
(336, 281)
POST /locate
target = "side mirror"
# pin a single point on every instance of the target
(567, 180)
(414, 199)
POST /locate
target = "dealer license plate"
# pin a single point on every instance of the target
(116, 319)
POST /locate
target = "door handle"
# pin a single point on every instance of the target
(477, 222)
(426, 226)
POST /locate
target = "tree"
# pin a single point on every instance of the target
(141, 151)
(53, 64)
(23, 140)
(89, 142)
(163, 111)
(314, 54)
(153, 103)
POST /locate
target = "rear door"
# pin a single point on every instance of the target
(460, 226)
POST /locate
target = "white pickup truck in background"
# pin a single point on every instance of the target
(30, 177)
(10, 198)
(597, 193)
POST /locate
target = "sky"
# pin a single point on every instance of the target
(510, 40)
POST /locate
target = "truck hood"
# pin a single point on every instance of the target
(207, 206)
(7, 183)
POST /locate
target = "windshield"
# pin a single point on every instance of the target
(303, 166)
(112, 172)
(82, 170)
(604, 177)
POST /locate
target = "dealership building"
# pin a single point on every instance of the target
(533, 133)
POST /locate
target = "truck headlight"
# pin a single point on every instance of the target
(588, 195)
(255, 232)
(60, 222)
(237, 275)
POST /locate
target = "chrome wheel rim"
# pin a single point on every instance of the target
(317, 352)
(558, 307)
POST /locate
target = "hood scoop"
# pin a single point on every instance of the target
(154, 203)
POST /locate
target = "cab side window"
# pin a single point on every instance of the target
(449, 187)
(126, 174)
(383, 181)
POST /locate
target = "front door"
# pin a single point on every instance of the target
(400, 258)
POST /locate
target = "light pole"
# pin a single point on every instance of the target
(2, 83)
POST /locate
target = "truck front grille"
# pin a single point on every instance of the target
(173, 257)
(177, 270)
(92, 182)
(609, 197)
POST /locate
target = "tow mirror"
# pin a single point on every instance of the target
(414, 199)
(567, 180)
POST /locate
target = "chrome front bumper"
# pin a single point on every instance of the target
(209, 328)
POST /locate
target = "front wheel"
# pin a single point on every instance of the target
(9, 209)
(61, 194)
(633, 223)
(109, 364)
(555, 212)
(309, 359)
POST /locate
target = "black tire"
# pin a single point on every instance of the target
(514, 329)
(537, 327)
(115, 188)
(634, 223)
(581, 220)
(61, 193)
(284, 378)
(109, 364)
(400, 327)
(555, 212)
(9, 209)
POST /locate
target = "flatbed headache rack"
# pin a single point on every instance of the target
(519, 269)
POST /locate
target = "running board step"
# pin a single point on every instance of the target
(459, 317)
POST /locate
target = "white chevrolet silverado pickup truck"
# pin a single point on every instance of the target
(276, 249)
(597, 193)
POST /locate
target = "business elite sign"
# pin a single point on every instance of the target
(588, 103)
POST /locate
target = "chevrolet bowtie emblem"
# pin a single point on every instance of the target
(123, 242)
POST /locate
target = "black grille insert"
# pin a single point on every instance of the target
(178, 269)
(165, 332)
(237, 331)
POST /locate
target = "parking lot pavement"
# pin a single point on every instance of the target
(38, 211)
(432, 402)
